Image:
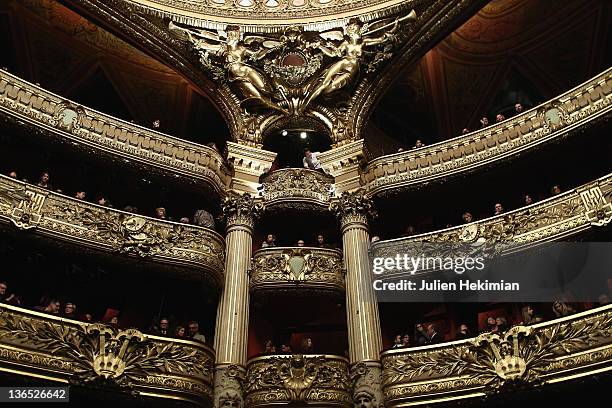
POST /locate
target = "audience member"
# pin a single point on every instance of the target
(69, 310)
(114, 321)
(13, 174)
(269, 242)
(185, 220)
(463, 332)
(285, 349)
(194, 331)
(502, 324)
(311, 160)
(500, 118)
(418, 144)
(491, 325)
(467, 217)
(300, 243)
(51, 307)
(518, 108)
(400, 149)
(555, 190)
(307, 346)
(499, 209)
(397, 342)
(104, 202)
(409, 231)
(433, 335)
(406, 340)
(465, 131)
(80, 195)
(321, 241)
(269, 348)
(420, 336)
(528, 199)
(203, 218)
(11, 299)
(160, 213)
(88, 318)
(528, 315)
(562, 309)
(179, 332)
(43, 181)
(603, 299)
(163, 328)
(156, 124)
(484, 122)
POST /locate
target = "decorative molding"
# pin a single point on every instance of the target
(552, 120)
(353, 208)
(523, 357)
(296, 186)
(86, 225)
(553, 219)
(241, 210)
(309, 379)
(97, 355)
(298, 270)
(96, 133)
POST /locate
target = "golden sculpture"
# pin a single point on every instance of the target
(254, 87)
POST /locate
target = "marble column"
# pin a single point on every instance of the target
(231, 334)
(365, 339)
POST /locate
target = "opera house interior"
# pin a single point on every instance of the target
(214, 203)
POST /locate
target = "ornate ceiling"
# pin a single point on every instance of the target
(527, 50)
(46, 42)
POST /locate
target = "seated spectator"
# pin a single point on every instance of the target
(555, 190)
(11, 299)
(203, 218)
(88, 318)
(131, 209)
(269, 348)
(104, 202)
(156, 124)
(43, 181)
(179, 332)
(69, 310)
(528, 199)
(418, 144)
(463, 332)
(194, 331)
(420, 337)
(13, 174)
(160, 213)
(603, 299)
(499, 209)
(114, 321)
(502, 324)
(491, 325)
(500, 118)
(518, 108)
(300, 243)
(80, 195)
(397, 342)
(562, 309)
(467, 217)
(311, 160)
(321, 242)
(484, 122)
(269, 242)
(163, 328)
(307, 346)
(185, 220)
(285, 349)
(51, 307)
(465, 131)
(432, 333)
(406, 340)
(528, 315)
(400, 149)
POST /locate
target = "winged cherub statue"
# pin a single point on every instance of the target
(235, 55)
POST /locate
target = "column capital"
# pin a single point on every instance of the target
(240, 210)
(353, 208)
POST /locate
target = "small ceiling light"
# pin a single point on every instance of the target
(303, 135)
(284, 133)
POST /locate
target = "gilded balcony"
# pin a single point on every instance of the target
(298, 380)
(560, 350)
(66, 351)
(297, 270)
(297, 188)
(94, 132)
(550, 121)
(567, 214)
(68, 221)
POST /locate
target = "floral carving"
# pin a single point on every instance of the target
(297, 183)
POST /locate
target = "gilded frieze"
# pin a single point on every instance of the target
(292, 186)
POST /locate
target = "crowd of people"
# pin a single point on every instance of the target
(200, 218)
(306, 347)
(270, 242)
(426, 334)
(68, 309)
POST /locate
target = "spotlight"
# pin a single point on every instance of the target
(284, 133)
(303, 135)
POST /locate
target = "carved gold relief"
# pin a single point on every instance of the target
(523, 356)
(298, 378)
(100, 355)
(300, 268)
(80, 223)
(292, 186)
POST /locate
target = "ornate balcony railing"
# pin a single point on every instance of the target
(524, 356)
(96, 132)
(552, 120)
(297, 188)
(71, 221)
(553, 219)
(297, 270)
(318, 380)
(67, 351)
